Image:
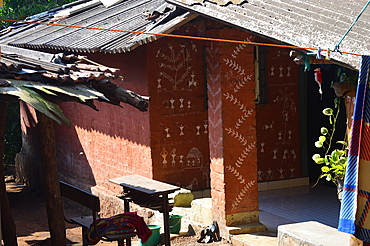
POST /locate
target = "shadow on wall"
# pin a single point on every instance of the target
(28, 161)
(73, 165)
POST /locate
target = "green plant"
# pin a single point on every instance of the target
(334, 160)
(20, 9)
(13, 135)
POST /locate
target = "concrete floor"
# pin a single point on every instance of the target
(299, 204)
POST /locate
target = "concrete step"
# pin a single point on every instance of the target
(265, 238)
(311, 233)
(246, 228)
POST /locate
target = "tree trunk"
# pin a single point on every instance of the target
(118, 94)
(53, 198)
(7, 222)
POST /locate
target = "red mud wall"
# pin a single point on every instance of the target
(178, 111)
(278, 120)
(113, 141)
(230, 70)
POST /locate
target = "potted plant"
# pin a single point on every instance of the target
(334, 160)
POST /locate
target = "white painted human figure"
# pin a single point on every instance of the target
(260, 173)
(294, 156)
(292, 170)
(164, 154)
(181, 162)
(172, 102)
(281, 71)
(280, 136)
(198, 130)
(192, 81)
(269, 126)
(275, 154)
(262, 147)
(173, 154)
(269, 174)
(281, 171)
(205, 126)
(167, 132)
(181, 130)
(284, 154)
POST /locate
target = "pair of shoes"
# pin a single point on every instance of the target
(215, 232)
(210, 234)
(203, 234)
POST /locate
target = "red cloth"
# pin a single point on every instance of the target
(128, 222)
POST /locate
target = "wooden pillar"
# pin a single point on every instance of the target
(232, 134)
(53, 199)
(8, 226)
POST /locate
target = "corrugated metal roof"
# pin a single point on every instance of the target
(131, 15)
(219, 2)
(314, 23)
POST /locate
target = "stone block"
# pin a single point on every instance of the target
(182, 198)
(311, 233)
(202, 211)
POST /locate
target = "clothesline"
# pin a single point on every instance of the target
(178, 36)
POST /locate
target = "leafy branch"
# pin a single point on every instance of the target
(334, 160)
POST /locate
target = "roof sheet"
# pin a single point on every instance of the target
(60, 77)
(131, 15)
(314, 23)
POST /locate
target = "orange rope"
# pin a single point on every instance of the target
(176, 36)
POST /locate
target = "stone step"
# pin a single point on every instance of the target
(265, 238)
(311, 233)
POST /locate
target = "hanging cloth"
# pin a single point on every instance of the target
(354, 217)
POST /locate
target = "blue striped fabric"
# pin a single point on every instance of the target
(356, 198)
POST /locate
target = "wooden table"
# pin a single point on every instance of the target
(148, 186)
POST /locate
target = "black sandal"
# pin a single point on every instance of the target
(203, 235)
(215, 232)
(210, 234)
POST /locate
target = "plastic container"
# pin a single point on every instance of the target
(175, 223)
(154, 239)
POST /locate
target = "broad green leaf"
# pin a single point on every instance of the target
(325, 169)
(25, 96)
(51, 106)
(343, 143)
(318, 144)
(317, 159)
(322, 139)
(328, 177)
(82, 92)
(7, 90)
(324, 130)
(95, 92)
(328, 111)
(41, 88)
(316, 156)
(73, 91)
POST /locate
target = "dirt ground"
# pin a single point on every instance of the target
(29, 214)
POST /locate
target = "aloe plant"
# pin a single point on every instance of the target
(334, 160)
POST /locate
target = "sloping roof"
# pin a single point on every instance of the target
(314, 23)
(44, 80)
(154, 16)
